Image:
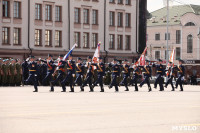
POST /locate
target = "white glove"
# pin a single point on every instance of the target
(35, 75)
(73, 75)
(81, 76)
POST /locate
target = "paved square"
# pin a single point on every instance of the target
(22, 111)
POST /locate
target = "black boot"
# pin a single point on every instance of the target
(126, 89)
(52, 89)
(82, 89)
(102, 89)
(72, 89)
(63, 88)
(150, 89)
(116, 89)
(91, 89)
(36, 90)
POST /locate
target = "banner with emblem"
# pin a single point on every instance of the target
(95, 58)
(141, 60)
(171, 58)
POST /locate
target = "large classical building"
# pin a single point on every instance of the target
(184, 27)
(39, 27)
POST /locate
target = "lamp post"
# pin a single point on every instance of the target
(198, 46)
(167, 57)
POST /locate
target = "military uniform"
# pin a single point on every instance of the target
(159, 74)
(18, 76)
(61, 71)
(12, 74)
(100, 74)
(115, 74)
(0, 73)
(50, 68)
(5, 72)
(79, 74)
(69, 77)
(90, 73)
(170, 76)
(126, 74)
(136, 72)
(147, 74)
(33, 71)
(181, 74)
(25, 71)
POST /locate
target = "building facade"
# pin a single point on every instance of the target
(184, 27)
(40, 27)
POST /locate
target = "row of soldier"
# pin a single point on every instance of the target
(74, 71)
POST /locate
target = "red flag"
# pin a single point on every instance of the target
(141, 60)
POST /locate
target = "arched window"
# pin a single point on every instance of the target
(190, 24)
(189, 44)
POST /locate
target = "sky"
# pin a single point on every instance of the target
(153, 5)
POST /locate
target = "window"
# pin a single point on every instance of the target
(189, 44)
(86, 16)
(48, 12)
(157, 36)
(190, 24)
(112, 1)
(48, 38)
(128, 20)
(94, 16)
(58, 38)
(94, 40)
(38, 37)
(112, 41)
(58, 14)
(120, 1)
(17, 7)
(178, 53)
(5, 35)
(77, 15)
(128, 42)
(6, 8)
(77, 38)
(38, 11)
(157, 55)
(178, 37)
(120, 19)
(112, 18)
(166, 36)
(86, 40)
(17, 36)
(120, 42)
(128, 2)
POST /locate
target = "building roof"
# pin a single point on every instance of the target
(159, 17)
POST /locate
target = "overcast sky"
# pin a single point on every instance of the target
(153, 5)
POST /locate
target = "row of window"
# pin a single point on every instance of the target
(16, 35)
(127, 2)
(119, 19)
(178, 54)
(6, 9)
(178, 36)
(119, 42)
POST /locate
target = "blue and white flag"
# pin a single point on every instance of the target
(66, 56)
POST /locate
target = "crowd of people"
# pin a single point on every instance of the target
(61, 72)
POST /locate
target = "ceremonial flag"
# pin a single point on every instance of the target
(66, 56)
(171, 58)
(95, 58)
(141, 60)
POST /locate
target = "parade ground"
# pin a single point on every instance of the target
(22, 111)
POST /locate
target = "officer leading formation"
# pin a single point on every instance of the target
(67, 72)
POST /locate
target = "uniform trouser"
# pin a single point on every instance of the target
(179, 82)
(169, 81)
(4, 79)
(159, 81)
(78, 79)
(69, 78)
(88, 80)
(134, 80)
(99, 80)
(25, 77)
(59, 78)
(124, 81)
(32, 79)
(114, 82)
(146, 80)
(48, 78)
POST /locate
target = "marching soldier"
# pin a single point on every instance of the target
(126, 74)
(33, 71)
(39, 75)
(90, 73)
(25, 70)
(12, 72)
(181, 74)
(60, 69)
(159, 74)
(101, 72)
(5, 73)
(147, 75)
(18, 78)
(79, 73)
(50, 69)
(136, 72)
(170, 76)
(70, 74)
(115, 73)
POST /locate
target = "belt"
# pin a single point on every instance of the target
(32, 70)
(78, 71)
(69, 68)
(99, 71)
(159, 71)
(50, 69)
(114, 71)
